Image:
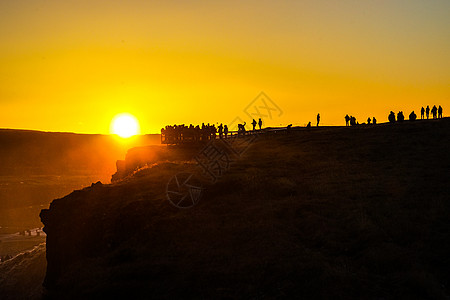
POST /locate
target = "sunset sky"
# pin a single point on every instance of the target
(74, 65)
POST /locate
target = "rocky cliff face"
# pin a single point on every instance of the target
(140, 157)
(326, 213)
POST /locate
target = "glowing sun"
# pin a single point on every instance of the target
(125, 125)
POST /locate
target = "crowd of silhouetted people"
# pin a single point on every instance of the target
(205, 132)
(351, 121)
(435, 112)
(174, 134)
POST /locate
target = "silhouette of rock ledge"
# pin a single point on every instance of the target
(139, 157)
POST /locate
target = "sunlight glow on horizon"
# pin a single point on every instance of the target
(73, 65)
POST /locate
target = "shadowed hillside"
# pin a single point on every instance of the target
(358, 212)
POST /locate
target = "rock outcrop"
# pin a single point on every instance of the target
(139, 157)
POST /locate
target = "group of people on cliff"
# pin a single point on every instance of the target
(241, 127)
(435, 111)
(351, 121)
(174, 134)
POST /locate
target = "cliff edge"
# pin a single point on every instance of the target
(321, 213)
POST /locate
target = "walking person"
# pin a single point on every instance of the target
(318, 119)
(422, 113)
(254, 124)
(260, 123)
(440, 112)
(428, 111)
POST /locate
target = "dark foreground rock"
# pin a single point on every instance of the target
(357, 212)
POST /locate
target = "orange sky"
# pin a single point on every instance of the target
(73, 65)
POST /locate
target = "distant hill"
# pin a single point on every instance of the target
(35, 152)
(360, 212)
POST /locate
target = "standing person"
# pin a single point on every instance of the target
(225, 130)
(347, 119)
(422, 113)
(368, 120)
(260, 123)
(213, 131)
(434, 112)
(440, 112)
(374, 121)
(220, 128)
(428, 111)
(254, 124)
(318, 119)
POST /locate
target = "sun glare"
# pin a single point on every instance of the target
(125, 125)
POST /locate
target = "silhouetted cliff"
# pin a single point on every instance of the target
(357, 212)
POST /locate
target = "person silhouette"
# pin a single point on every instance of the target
(368, 120)
(225, 131)
(400, 116)
(440, 112)
(422, 113)
(434, 112)
(412, 116)
(391, 117)
(213, 131)
(309, 125)
(318, 119)
(347, 119)
(254, 124)
(260, 123)
(428, 111)
(220, 130)
(241, 128)
(374, 121)
(288, 128)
